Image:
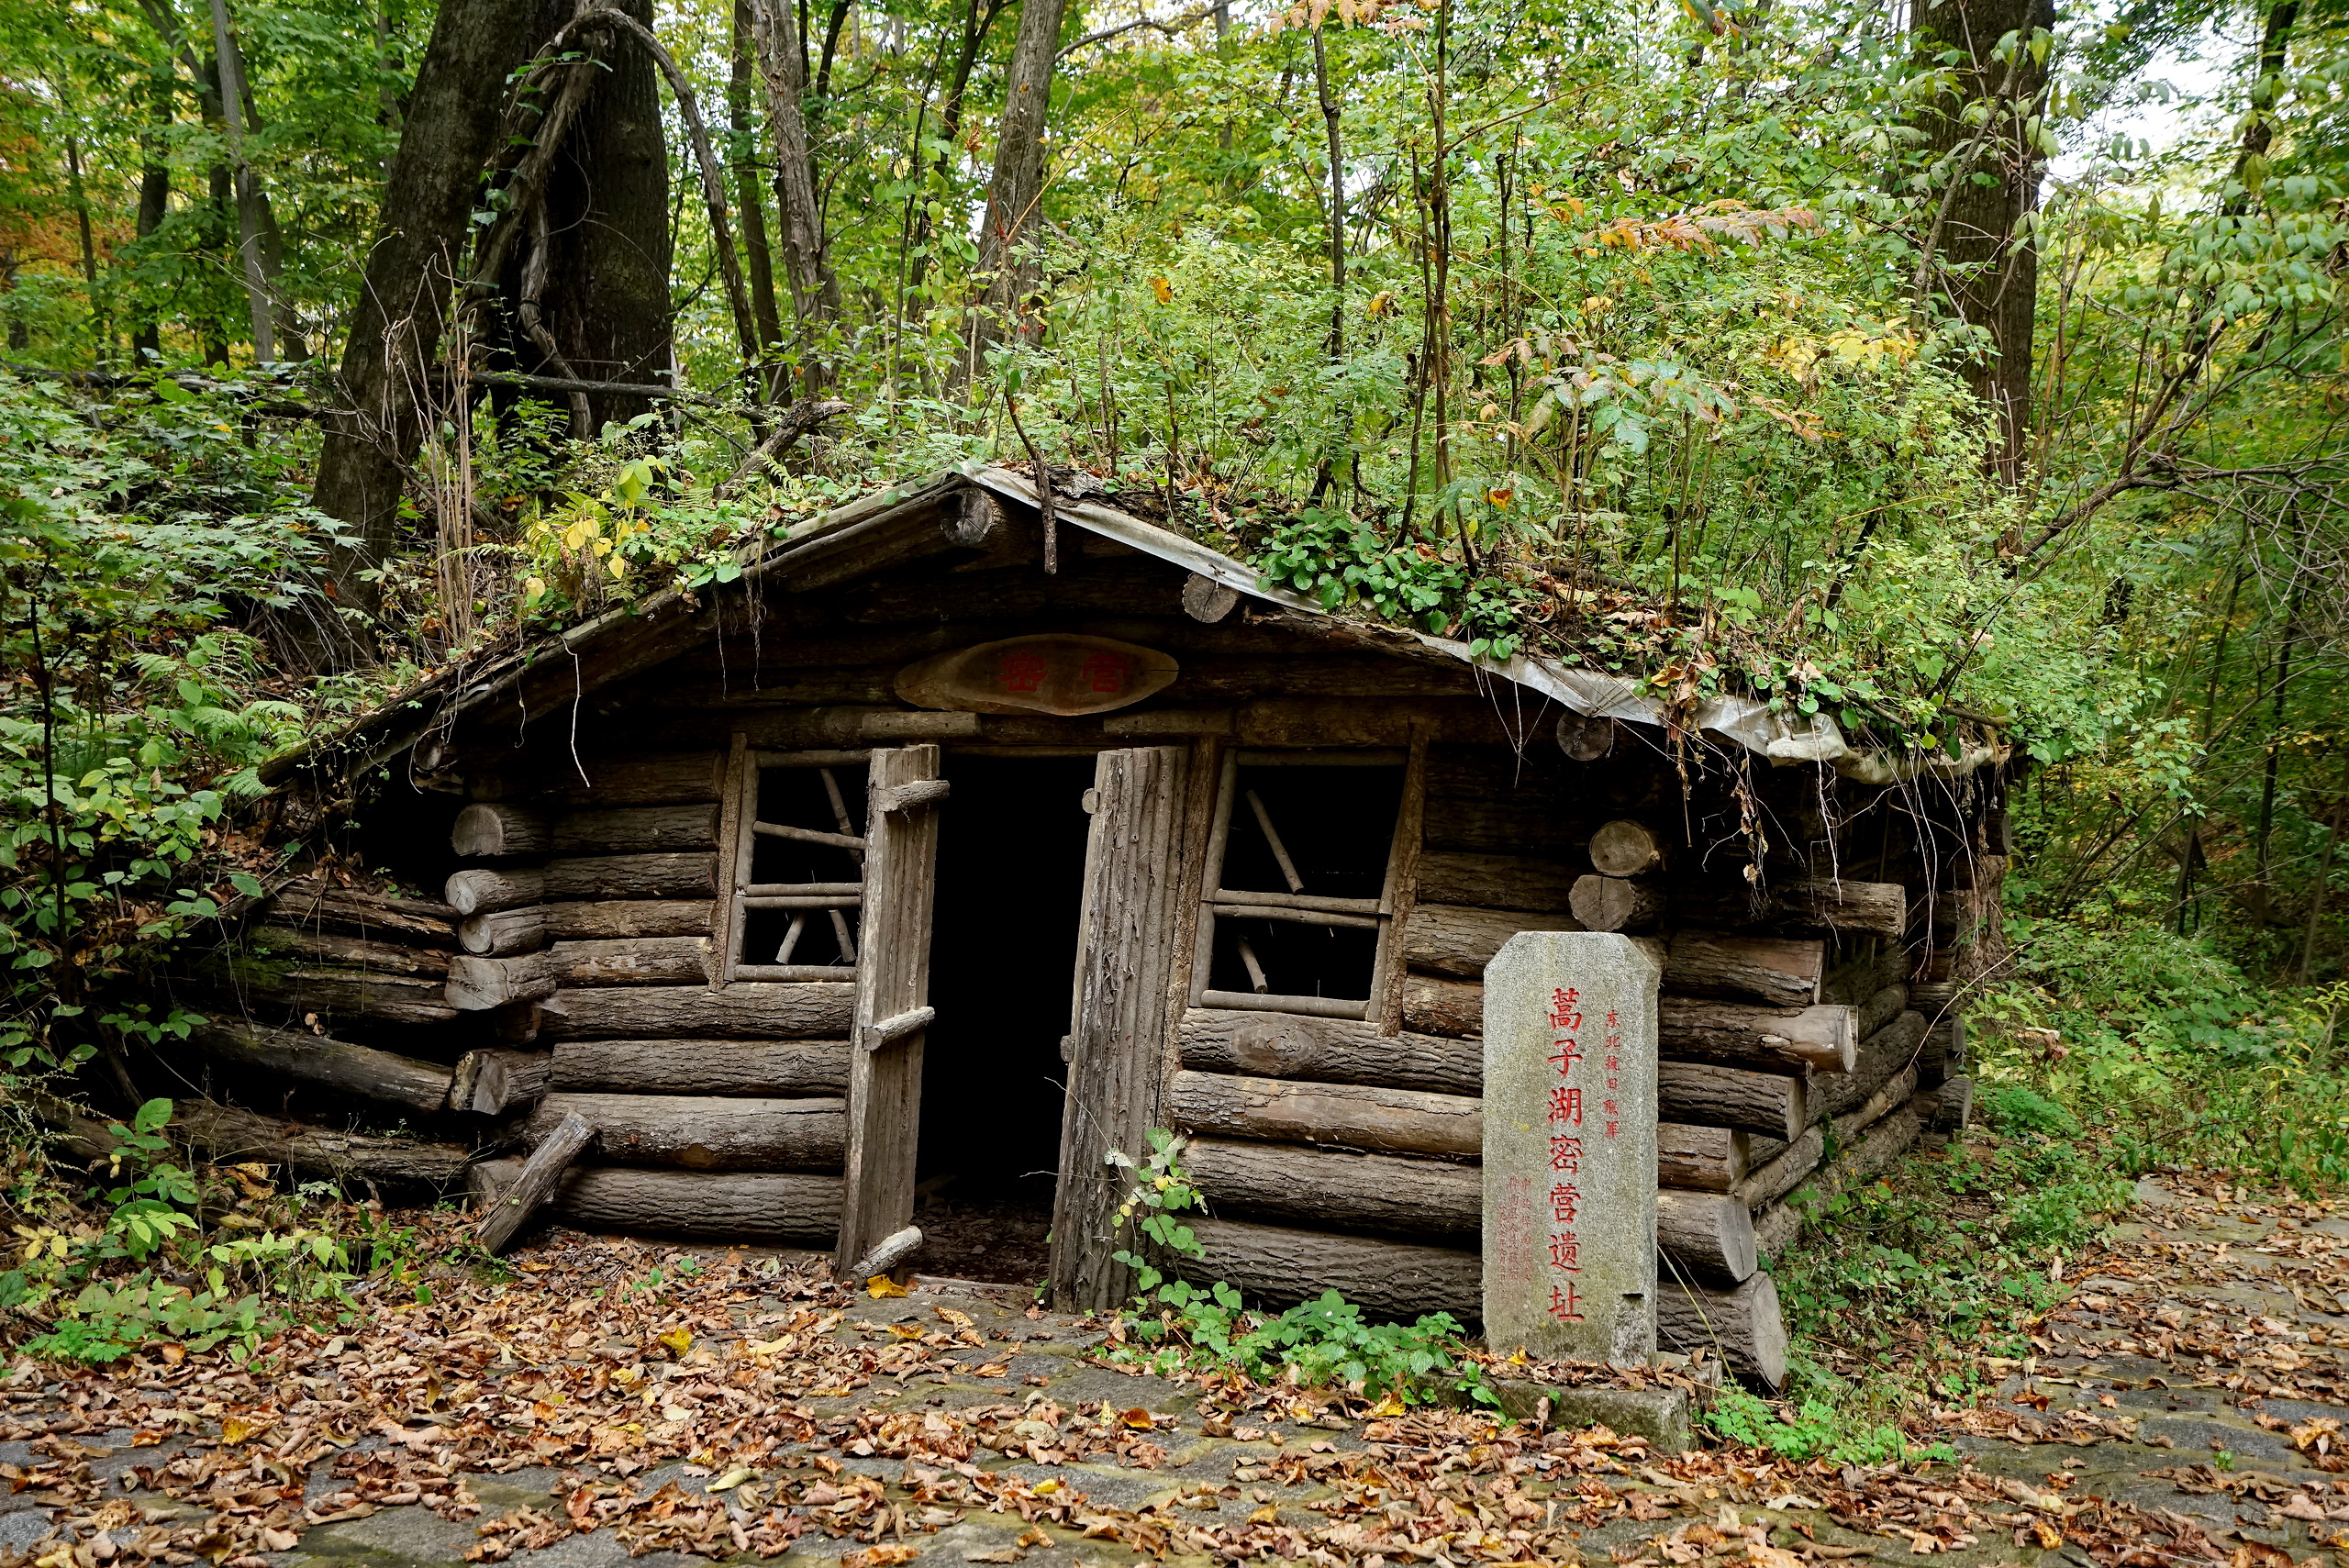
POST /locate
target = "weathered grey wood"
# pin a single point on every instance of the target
(676, 876)
(1125, 938)
(1953, 1105)
(1705, 1236)
(1933, 997)
(1943, 1056)
(636, 829)
(655, 778)
(893, 978)
(1741, 1327)
(894, 1250)
(1880, 1007)
(1400, 892)
(493, 1082)
(1454, 1008)
(1402, 1121)
(1496, 881)
(1458, 941)
(1779, 972)
(1510, 823)
(1873, 1153)
(1773, 1103)
(328, 1063)
(1338, 1051)
(1797, 908)
(756, 1067)
(705, 1132)
(503, 932)
(1307, 1006)
(477, 985)
(1782, 1173)
(313, 904)
(631, 961)
(769, 1207)
(612, 919)
(1625, 848)
(815, 1010)
(1702, 1159)
(1280, 1266)
(333, 995)
(265, 944)
(501, 1218)
(1584, 738)
(1867, 965)
(1821, 1039)
(231, 1135)
(1300, 1183)
(1614, 903)
(1888, 1051)
(486, 831)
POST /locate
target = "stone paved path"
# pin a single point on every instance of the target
(2199, 1344)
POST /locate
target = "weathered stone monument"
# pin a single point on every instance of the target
(1570, 1119)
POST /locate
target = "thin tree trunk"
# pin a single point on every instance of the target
(747, 194)
(2324, 874)
(2263, 895)
(1017, 191)
(81, 200)
(454, 117)
(154, 205)
(231, 66)
(978, 16)
(815, 291)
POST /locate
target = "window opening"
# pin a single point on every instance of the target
(800, 868)
(1299, 913)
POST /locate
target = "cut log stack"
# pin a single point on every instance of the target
(585, 913)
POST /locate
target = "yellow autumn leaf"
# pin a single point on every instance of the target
(678, 1340)
(1390, 1406)
(1264, 1516)
(1163, 289)
(960, 1319)
(881, 1287)
(236, 1429)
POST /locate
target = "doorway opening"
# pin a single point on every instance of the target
(1002, 975)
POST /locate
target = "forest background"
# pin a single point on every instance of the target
(1870, 358)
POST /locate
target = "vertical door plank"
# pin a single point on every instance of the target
(734, 844)
(892, 979)
(1125, 955)
(1402, 889)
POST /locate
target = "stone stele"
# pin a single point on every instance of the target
(1570, 1119)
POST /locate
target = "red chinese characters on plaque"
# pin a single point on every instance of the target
(1063, 674)
(1570, 1114)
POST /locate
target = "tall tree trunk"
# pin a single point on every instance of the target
(747, 194)
(806, 250)
(1987, 264)
(978, 16)
(1016, 193)
(228, 65)
(607, 208)
(154, 205)
(454, 116)
(80, 198)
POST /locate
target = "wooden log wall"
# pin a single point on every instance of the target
(587, 908)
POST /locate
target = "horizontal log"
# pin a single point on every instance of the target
(1819, 1039)
(1707, 1237)
(1953, 1107)
(1520, 822)
(1328, 1187)
(503, 932)
(1454, 1008)
(672, 778)
(1778, 972)
(816, 1010)
(1457, 939)
(609, 920)
(325, 1064)
(231, 1135)
(705, 1132)
(679, 875)
(1867, 965)
(314, 904)
(342, 951)
(493, 1082)
(478, 984)
(1615, 904)
(1400, 1121)
(1797, 908)
(1775, 1104)
(1625, 848)
(1702, 1159)
(1337, 1051)
(636, 829)
(1280, 1266)
(1741, 1327)
(487, 831)
(350, 994)
(764, 1206)
(1495, 881)
(754, 1067)
(1882, 1056)
(1880, 1007)
(1783, 1171)
(631, 961)
(1305, 1006)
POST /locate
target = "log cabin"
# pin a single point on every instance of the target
(960, 844)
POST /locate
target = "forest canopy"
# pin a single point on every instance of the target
(1881, 361)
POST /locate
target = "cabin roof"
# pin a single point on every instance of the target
(872, 534)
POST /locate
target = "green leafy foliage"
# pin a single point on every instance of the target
(1813, 1429)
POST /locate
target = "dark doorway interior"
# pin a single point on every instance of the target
(1003, 962)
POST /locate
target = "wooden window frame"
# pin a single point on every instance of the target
(739, 833)
(1385, 915)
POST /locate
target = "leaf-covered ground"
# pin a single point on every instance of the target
(2185, 1404)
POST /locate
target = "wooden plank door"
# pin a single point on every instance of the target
(1117, 1029)
(893, 1010)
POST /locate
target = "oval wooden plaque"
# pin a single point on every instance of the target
(1063, 674)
